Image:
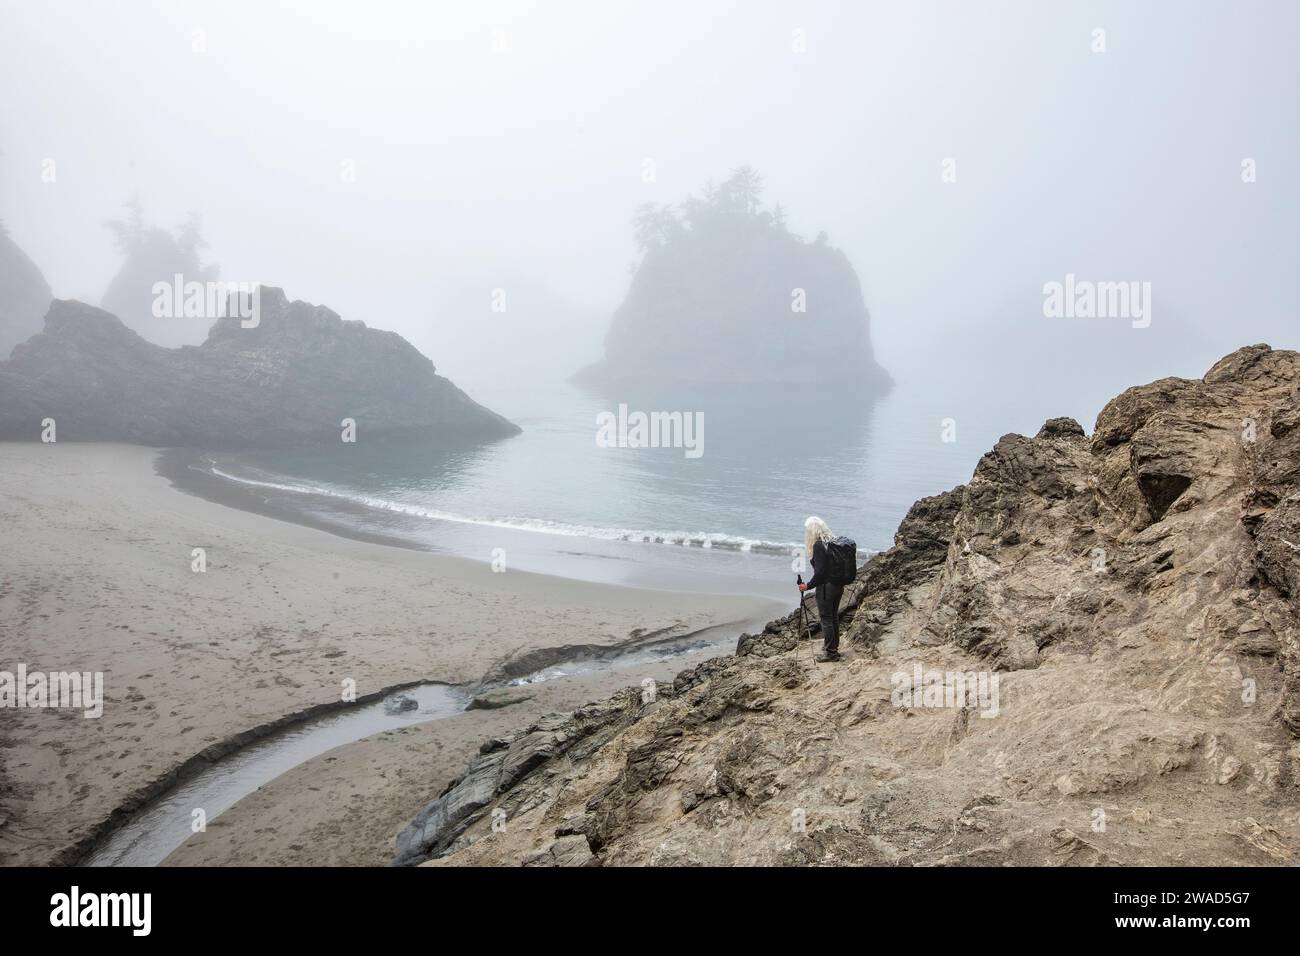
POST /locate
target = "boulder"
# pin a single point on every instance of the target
(498, 698)
(400, 704)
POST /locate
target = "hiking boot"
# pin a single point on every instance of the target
(828, 657)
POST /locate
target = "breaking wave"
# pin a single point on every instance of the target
(692, 539)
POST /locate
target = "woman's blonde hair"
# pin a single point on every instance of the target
(814, 530)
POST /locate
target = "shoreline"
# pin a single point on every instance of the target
(190, 470)
(197, 665)
(176, 466)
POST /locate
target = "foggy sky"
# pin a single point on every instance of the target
(479, 167)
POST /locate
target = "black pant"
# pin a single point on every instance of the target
(828, 609)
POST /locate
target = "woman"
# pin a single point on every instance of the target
(815, 538)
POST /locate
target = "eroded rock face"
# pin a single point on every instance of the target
(501, 764)
(1134, 594)
(290, 380)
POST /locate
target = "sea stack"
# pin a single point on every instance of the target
(291, 379)
(725, 292)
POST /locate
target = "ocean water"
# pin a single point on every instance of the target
(553, 500)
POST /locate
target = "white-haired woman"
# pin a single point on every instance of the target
(816, 536)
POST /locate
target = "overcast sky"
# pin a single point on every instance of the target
(506, 142)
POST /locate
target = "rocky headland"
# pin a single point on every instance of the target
(288, 380)
(1129, 597)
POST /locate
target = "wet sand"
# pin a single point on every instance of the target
(96, 575)
(345, 807)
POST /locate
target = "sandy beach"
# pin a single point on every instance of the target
(97, 573)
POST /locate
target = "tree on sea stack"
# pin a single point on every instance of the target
(725, 292)
(153, 255)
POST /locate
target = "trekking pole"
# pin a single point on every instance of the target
(807, 629)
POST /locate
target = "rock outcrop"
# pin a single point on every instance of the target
(24, 296)
(726, 293)
(291, 379)
(1125, 605)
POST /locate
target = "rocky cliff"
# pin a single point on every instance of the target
(291, 379)
(725, 292)
(24, 296)
(1128, 598)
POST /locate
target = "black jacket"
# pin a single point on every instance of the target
(820, 561)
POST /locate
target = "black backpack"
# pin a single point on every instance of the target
(842, 560)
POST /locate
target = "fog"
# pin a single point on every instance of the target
(692, 273)
(399, 162)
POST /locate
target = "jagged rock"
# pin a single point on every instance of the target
(499, 766)
(1277, 546)
(566, 851)
(290, 380)
(400, 704)
(1265, 840)
(1135, 597)
(1066, 428)
(1070, 849)
(24, 296)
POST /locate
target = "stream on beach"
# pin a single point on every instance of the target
(156, 830)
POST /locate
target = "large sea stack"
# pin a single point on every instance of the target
(725, 292)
